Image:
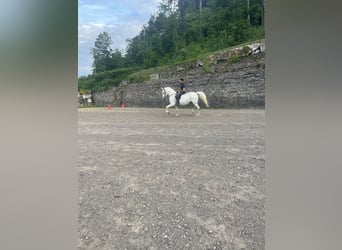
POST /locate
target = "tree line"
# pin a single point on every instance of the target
(181, 29)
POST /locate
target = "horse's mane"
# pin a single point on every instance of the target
(169, 90)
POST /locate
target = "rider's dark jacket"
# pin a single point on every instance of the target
(182, 88)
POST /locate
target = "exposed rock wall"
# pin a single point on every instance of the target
(227, 85)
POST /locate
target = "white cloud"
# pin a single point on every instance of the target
(92, 7)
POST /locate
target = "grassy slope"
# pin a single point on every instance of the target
(145, 74)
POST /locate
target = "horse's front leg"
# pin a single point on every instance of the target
(177, 114)
(167, 108)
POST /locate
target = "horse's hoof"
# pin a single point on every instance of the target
(177, 114)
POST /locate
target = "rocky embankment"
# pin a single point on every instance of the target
(228, 83)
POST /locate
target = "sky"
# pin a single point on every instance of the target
(121, 19)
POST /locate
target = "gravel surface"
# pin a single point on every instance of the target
(148, 180)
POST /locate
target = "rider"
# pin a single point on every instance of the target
(181, 90)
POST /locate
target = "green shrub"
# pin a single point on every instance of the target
(245, 50)
(234, 59)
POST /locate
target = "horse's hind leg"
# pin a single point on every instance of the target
(198, 109)
(177, 114)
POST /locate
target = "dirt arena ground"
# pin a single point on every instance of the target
(148, 180)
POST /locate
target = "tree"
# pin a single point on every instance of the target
(263, 13)
(117, 60)
(102, 53)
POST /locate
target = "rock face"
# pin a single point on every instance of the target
(227, 85)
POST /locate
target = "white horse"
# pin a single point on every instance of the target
(184, 100)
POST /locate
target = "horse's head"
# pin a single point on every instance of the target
(163, 92)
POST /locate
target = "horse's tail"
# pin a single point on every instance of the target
(203, 97)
